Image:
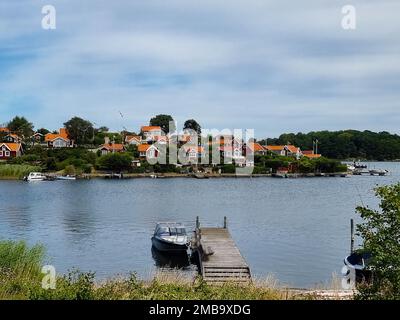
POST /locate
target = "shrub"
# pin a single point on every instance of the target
(381, 234)
(70, 170)
(115, 162)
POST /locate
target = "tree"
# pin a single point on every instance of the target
(115, 162)
(43, 131)
(21, 126)
(380, 232)
(192, 124)
(103, 129)
(80, 130)
(163, 121)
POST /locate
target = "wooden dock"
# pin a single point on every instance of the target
(219, 258)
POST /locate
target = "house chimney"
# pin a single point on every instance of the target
(106, 140)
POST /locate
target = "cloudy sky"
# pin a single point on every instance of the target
(274, 66)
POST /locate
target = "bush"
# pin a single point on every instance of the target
(228, 168)
(381, 234)
(70, 170)
(115, 162)
(306, 166)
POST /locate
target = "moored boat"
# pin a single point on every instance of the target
(35, 176)
(68, 177)
(357, 262)
(170, 237)
(378, 172)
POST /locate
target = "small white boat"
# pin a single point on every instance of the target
(35, 176)
(378, 172)
(170, 237)
(68, 177)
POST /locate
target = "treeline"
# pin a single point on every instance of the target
(346, 144)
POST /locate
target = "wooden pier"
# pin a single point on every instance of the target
(220, 260)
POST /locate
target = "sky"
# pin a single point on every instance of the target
(272, 66)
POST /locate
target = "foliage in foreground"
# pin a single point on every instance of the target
(381, 234)
(20, 278)
(76, 286)
(20, 266)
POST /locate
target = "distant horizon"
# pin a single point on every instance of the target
(180, 127)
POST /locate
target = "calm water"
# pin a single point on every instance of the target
(297, 229)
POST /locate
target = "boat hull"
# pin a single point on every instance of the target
(362, 274)
(168, 246)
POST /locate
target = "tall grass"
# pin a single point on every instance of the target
(20, 278)
(16, 171)
(20, 266)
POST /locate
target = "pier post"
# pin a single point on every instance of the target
(197, 222)
(352, 236)
(225, 223)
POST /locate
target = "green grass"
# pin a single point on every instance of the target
(20, 278)
(20, 267)
(16, 171)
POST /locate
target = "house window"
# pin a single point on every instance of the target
(1, 153)
(7, 153)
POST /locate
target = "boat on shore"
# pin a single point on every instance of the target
(170, 237)
(67, 177)
(378, 172)
(35, 176)
(199, 175)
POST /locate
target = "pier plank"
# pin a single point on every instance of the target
(226, 263)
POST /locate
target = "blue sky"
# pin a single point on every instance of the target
(272, 66)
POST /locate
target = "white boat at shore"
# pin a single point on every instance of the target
(378, 172)
(66, 177)
(35, 176)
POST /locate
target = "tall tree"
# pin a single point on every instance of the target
(192, 124)
(163, 121)
(80, 130)
(21, 126)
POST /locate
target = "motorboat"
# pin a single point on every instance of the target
(357, 263)
(199, 175)
(35, 176)
(170, 236)
(67, 177)
(378, 172)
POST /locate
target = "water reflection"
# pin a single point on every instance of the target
(175, 260)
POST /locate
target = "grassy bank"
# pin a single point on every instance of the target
(16, 171)
(20, 278)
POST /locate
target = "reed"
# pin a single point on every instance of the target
(16, 171)
(20, 267)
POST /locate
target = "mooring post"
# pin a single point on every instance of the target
(352, 235)
(197, 222)
(225, 223)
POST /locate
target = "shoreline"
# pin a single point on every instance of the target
(170, 175)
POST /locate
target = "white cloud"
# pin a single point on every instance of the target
(269, 65)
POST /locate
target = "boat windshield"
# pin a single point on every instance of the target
(177, 231)
(171, 231)
(163, 231)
